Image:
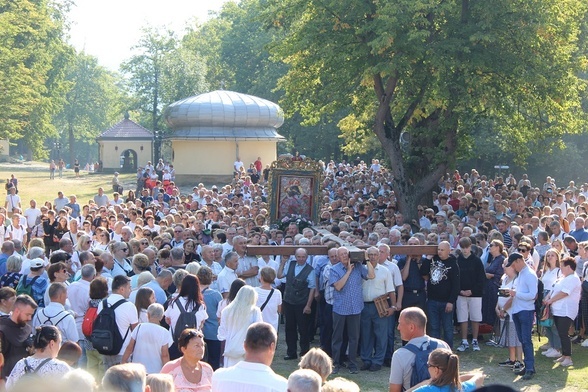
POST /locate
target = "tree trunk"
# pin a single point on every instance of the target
(70, 131)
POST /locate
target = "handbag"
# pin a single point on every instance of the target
(546, 320)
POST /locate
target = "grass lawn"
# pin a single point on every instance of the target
(550, 377)
(34, 183)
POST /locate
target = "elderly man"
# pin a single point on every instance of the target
(374, 327)
(207, 255)
(346, 278)
(298, 296)
(248, 268)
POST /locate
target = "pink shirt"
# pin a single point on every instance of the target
(182, 385)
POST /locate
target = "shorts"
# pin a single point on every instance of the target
(469, 308)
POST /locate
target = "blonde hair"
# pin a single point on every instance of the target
(159, 382)
(340, 384)
(317, 360)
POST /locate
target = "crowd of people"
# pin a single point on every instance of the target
(172, 271)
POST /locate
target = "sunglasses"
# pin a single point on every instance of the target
(88, 242)
(144, 243)
(523, 250)
(125, 249)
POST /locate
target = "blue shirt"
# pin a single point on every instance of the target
(580, 235)
(160, 296)
(466, 386)
(211, 299)
(311, 280)
(319, 264)
(348, 300)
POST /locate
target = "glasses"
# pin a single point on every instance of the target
(430, 365)
(493, 245)
(523, 250)
(124, 249)
(144, 243)
(372, 254)
(88, 242)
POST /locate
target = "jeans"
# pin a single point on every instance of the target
(438, 319)
(327, 328)
(523, 322)
(374, 335)
(391, 336)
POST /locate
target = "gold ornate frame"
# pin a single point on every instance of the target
(294, 186)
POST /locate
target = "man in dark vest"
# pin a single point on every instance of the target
(298, 296)
(16, 334)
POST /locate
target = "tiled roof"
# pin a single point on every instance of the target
(127, 129)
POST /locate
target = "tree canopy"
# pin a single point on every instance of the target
(432, 72)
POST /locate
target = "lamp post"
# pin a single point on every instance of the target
(57, 148)
(157, 136)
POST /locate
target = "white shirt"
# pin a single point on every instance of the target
(79, 298)
(32, 214)
(245, 263)
(216, 269)
(248, 377)
(149, 339)
(395, 271)
(126, 315)
(12, 201)
(568, 305)
(55, 314)
(270, 312)
(173, 312)
(380, 285)
(225, 279)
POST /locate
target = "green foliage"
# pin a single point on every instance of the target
(93, 102)
(32, 54)
(435, 70)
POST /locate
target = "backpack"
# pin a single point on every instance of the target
(49, 319)
(23, 288)
(106, 337)
(186, 320)
(88, 322)
(420, 370)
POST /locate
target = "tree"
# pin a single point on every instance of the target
(93, 102)
(32, 55)
(145, 70)
(432, 72)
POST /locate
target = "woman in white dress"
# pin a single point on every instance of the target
(235, 319)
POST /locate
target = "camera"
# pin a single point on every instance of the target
(502, 292)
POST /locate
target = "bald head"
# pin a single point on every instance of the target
(443, 250)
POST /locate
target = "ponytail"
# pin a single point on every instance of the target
(448, 364)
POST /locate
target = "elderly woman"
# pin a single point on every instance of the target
(12, 275)
(44, 362)
(84, 244)
(319, 361)
(7, 299)
(564, 299)
(140, 264)
(188, 371)
(122, 266)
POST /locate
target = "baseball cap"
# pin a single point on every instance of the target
(514, 257)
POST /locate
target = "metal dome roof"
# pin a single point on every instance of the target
(224, 109)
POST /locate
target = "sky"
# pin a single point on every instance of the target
(107, 29)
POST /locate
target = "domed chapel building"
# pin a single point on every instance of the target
(212, 130)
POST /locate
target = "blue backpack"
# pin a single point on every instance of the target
(420, 370)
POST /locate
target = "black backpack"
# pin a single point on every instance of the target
(106, 337)
(186, 320)
(420, 370)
